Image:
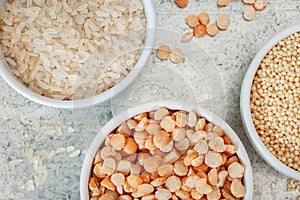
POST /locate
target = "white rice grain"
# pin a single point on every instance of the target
(70, 148)
(39, 2)
(7, 44)
(67, 7)
(43, 154)
(42, 84)
(50, 31)
(87, 31)
(84, 152)
(59, 6)
(15, 162)
(58, 131)
(41, 176)
(82, 7)
(49, 130)
(29, 186)
(60, 150)
(11, 61)
(51, 154)
(29, 3)
(7, 28)
(75, 154)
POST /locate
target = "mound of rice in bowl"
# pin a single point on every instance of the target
(71, 49)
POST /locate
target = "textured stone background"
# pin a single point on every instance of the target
(210, 76)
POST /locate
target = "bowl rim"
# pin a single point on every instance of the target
(173, 105)
(18, 86)
(258, 145)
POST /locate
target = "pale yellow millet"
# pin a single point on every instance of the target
(275, 101)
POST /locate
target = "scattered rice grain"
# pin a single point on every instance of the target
(75, 154)
(60, 150)
(70, 148)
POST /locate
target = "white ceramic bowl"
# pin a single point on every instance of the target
(245, 105)
(17, 85)
(117, 120)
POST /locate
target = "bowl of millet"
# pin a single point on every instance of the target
(270, 102)
(166, 150)
(72, 54)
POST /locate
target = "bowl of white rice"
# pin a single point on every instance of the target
(73, 54)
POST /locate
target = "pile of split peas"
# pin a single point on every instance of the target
(167, 154)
